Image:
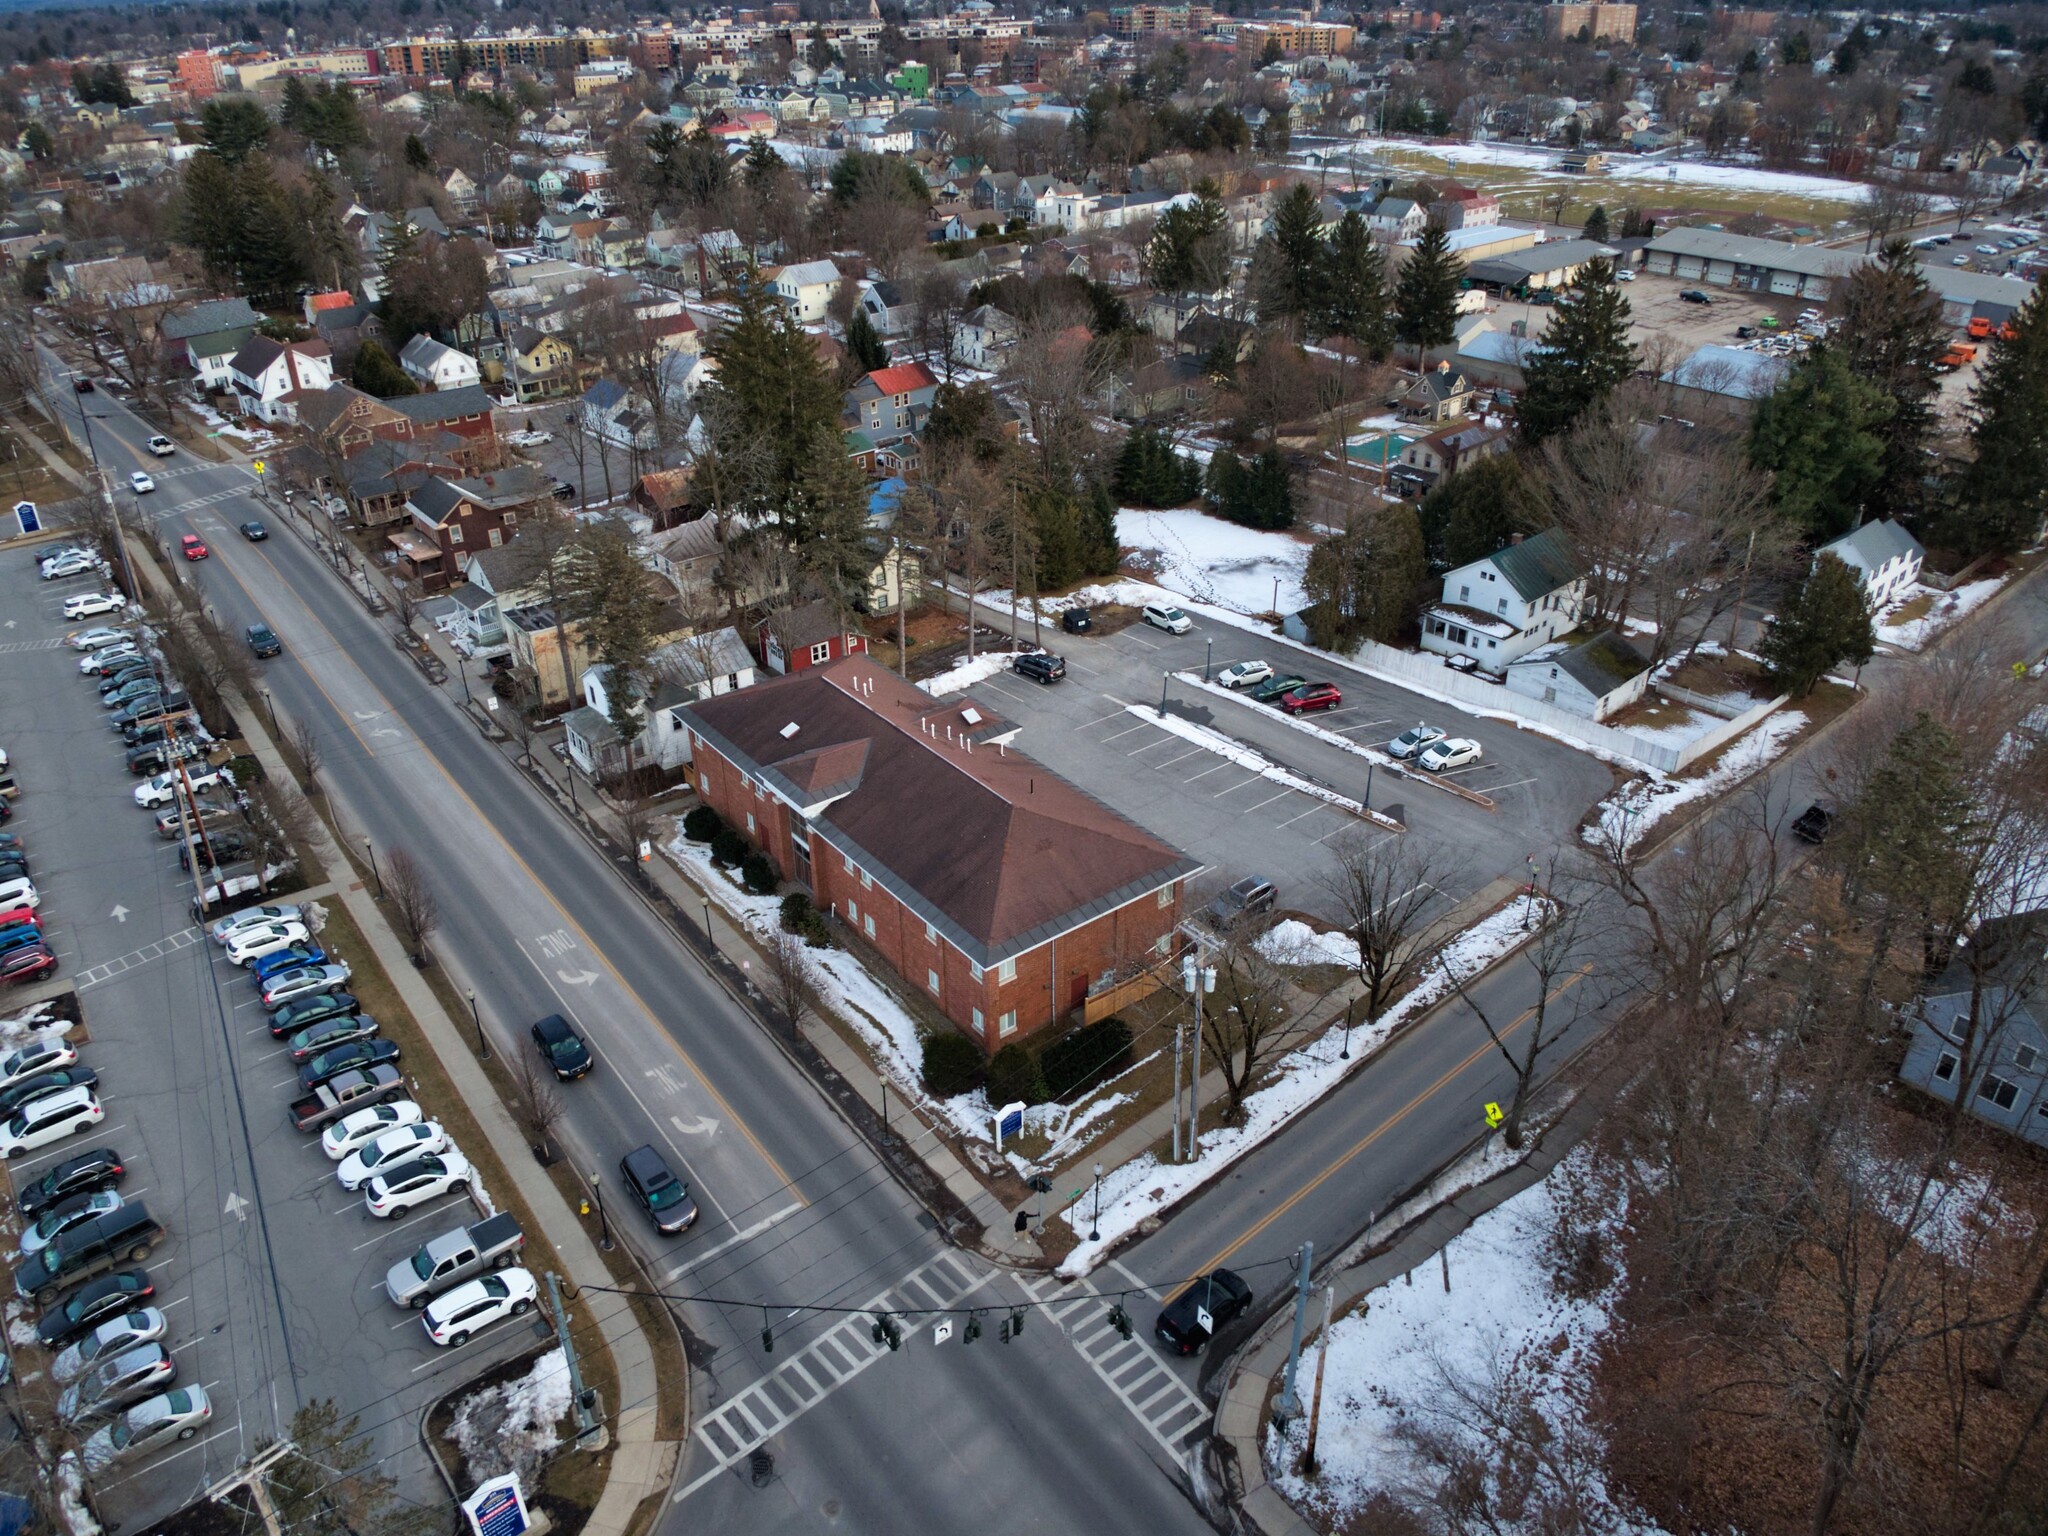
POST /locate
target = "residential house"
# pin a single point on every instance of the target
(1443, 394)
(342, 421)
(612, 412)
(1462, 207)
(998, 891)
(995, 191)
(1499, 609)
(1885, 558)
(1444, 452)
(540, 366)
(376, 480)
(809, 635)
(1981, 1037)
(983, 338)
(555, 236)
(206, 337)
(428, 362)
(806, 287)
(1595, 678)
(685, 671)
(455, 518)
(550, 652)
(664, 495)
(893, 400)
(270, 378)
(887, 307)
(1396, 219)
(461, 190)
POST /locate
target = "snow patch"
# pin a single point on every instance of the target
(1244, 757)
(511, 1428)
(71, 1506)
(1218, 562)
(1627, 815)
(1944, 610)
(1293, 942)
(966, 672)
(1625, 168)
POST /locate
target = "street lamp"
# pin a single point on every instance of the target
(374, 870)
(604, 1226)
(709, 937)
(1529, 908)
(272, 709)
(483, 1047)
(1208, 656)
(1095, 1226)
(1343, 1055)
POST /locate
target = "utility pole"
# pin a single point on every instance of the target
(1289, 1404)
(586, 1421)
(1179, 1035)
(251, 1477)
(1315, 1409)
(1200, 979)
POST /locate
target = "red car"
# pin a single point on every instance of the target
(193, 548)
(27, 963)
(1299, 701)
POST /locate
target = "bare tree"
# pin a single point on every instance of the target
(305, 743)
(407, 599)
(414, 907)
(536, 1103)
(280, 825)
(1383, 884)
(792, 979)
(1253, 1016)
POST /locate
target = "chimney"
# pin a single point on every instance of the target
(1443, 365)
(1514, 538)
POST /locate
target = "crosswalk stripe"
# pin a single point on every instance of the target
(1165, 1406)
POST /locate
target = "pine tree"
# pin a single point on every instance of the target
(761, 165)
(1361, 584)
(2001, 499)
(1893, 334)
(1475, 512)
(1584, 358)
(863, 345)
(374, 373)
(234, 129)
(1354, 289)
(1098, 533)
(1426, 293)
(1190, 247)
(1289, 259)
(416, 156)
(1596, 223)
(1822, 625)
(1819, 435)
(1257, 495)
(209, 213)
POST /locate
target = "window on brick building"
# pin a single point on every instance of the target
(931, 934)
(1163, 944)
(869, 924)
(865, 882)
(1166, 896)
(750, 821)
(852, 910)
(931, 979)
(973, 972)
(1006, 973)
(1007, 1024)
(978, 1028)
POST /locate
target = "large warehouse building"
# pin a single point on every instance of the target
(1721, 260)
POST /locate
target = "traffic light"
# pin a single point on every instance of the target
(1013, 1325)
(973, 1329)
(885, 1331)
(1119, 1319)
(767, 1334)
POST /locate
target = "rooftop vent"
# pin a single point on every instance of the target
(789, 730)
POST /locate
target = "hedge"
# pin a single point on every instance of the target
(728, 847)
(702, 824)
(1014, 1076)
(758, 875)
(952, 1065)
(1085, 1057)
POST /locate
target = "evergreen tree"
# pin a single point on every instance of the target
(1819, 627)
(863, 345)
(376, 373)
(234, 129)
(1596, 223)
(1426, 293)
(1893, 334)
(1475, 512)
(416, 156)
(209, 213)
(1098, 532)
(1150, 474)
(1361, 584)
(1257, 495)
(1819, 435)
(2001, 499)
(1585, 355)
(1190, 247)
(1288, 264)
(621, 614)
(1354, 289)
(761, 165)
(35, 138)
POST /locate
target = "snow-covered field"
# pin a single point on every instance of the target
(511, 1428)
(1627, 815)
(1145, 1186)
(1944, 609)
(1217, 562)
(1492, 1374)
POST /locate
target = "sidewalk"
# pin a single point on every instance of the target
(641, 1465)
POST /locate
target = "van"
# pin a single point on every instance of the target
(124, 1236)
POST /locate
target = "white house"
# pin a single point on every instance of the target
(805, 286)
(428, 362)
(269, 378)
(1499, 609)
(887, 307)
(984, 337)
(1397, 219)
(685, 671)
(1883, 555)
(1595, 678)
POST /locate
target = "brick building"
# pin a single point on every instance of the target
(1603, 23)
(995, 888)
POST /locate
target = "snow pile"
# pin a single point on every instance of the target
(511, 1428)
(1486, 1382)
(966, 672)
(14, 1031)
(1944, 609)
(1144, 1186)
(78, 1519)
(1627, 815)
(1217, 562)
(1292, 942)
(1626, 168)
(21, 1333)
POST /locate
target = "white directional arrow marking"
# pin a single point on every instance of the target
(119, 914)
(703, 1125)
(10, 623)
(577, 978)
(387, 731)
(236, 1207)
(366, 714)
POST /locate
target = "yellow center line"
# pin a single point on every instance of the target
(539, 884)
(1385, 1126)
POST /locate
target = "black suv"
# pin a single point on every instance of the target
(123, 1236)
(1814, 824)
(664, 1197)
(262, 641)
(1041, 666)
(562, 1048)
(1220, 1294)
(98, 1169)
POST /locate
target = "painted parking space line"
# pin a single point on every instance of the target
(62, 1149)
(1191, 752)
(1142, 725)
(1163, 740)
(1207, 771)
(1115, 714)
(1515, 784)
(168, 945)
(1268, 801)
(1234, 788)
(1319, 806)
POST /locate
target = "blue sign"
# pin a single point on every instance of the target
(31, 520)
(496, 1509)
(1012, 1124)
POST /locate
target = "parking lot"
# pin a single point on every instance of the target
(1241, 822)
(269, 1274)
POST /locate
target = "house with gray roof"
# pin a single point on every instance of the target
(1885, 558)
(1982, 1038)
(1499, 609)
(1595, 678)
(206, 337)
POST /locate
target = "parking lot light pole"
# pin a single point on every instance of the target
(1343, 1055)
(1368, 783)
(1208, 656)
(374, 870)
(483, 1046)
(1095, 1225)
(604, 1226)
(1529, 908)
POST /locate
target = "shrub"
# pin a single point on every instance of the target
(1085, 1057)
(758, 875)
(797, 912)
(1013, 1076)
(727, 846)
(952, 1065)
(702, 824)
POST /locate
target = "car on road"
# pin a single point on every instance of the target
(1310, 697)
(114, 1337)
(254, 531)
(98, 638)
(82, 385)
(1414, 739)
(1695, 296)
(1041, 667)
(115, 1382)
(1245, 674)
(30, 1089)
(1813, 824)
(192, 547)
(63, 1216)
(456, 1316)
(353, 1132)
(50, 1119)
(1451, 752)
(390, 1150)
(307, 1011)
(1191, 1319)
(426, 1178)
(95, 1302)
(1253, 896)
(561, 1047)
(29, 963)
(263, 641)
(140, 483)
(1076, 620)
(98, 1169)
(148, 1427)
(162, 446)
(35, 1058)
(304, 982)
(328, 1033)
(354, 1056)
(90, 605)
(259, 939)
(1270, 690)
(664, 1197)
(1167, 617)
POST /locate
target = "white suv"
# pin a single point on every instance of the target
(1167, 617)
(50, 1118)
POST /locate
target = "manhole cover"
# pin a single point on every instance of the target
(762, 1467)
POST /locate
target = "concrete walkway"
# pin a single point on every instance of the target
(642, 1465)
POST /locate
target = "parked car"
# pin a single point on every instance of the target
(226, 846)
(1245, 674)
(1252, 896)
(328, 1033)
(99, 1169)
(664, 1197)
(173, 822)
(35, 1058)
(30, 1089)
(1813, 824)
(1192, 1318)
(98, 638)
(223, 930)
(140, 483)
(63, 1216)
(1076, 620)
(1270, 690)
(148, 1427)
(16, 894)
(293, 1017)
(458, 1315)
(304, 982)
(115, 1336)
(1695, 296)
(291, 958)
(263, 641)
(125, 1235)
(1311, 697)
(353, 1057)
(82, 385)
(91, 1304)
(192, 547)
(1414, 739)
(162, 446)
(90, 605)
(390, 1150)
(1040, 666)
(49, 1119)
(66, 566)
(1451, 752)
(254, 531)
(452, 1257)
(427, 1178)
(31, 962)
(94, 663)
(259, 939)
(116, 1382)
(561, 1047)
(1167, 617)
(353, 1132)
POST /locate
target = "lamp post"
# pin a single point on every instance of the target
(709, 937)
(1095, 1225)
(604, 1226)
(271, 708)
(483, 1046)
(1208, 656)
(374, 870)
(1343, 1055)
(1529, 910)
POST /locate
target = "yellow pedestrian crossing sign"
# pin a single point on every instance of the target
(1494, 1116)
(257, 466)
